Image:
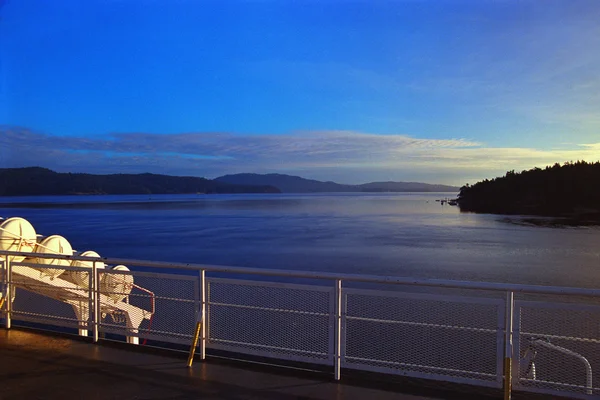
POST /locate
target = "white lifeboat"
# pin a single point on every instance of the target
(116, 286)
(82, 278)
(54, 244)
(17, 234)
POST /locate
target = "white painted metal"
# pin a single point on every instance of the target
(3, 282)
(391, 280)
(175, 297)
(95, 294)
(270, 319)
(424, 320)
(8, 293)
(508, 342)
(500, 344)
(529, 372)
(202, 317)
(588, 368)
(500, 337)
(338, 330)
(29, 278)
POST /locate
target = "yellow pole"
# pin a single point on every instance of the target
(194, 344)
(507, 380)
(2, 302)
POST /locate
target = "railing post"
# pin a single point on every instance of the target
(8, 291)
(338, 330)
(203, 314)
(3, 287)
(90, 308)
(508, 343)
(95, 294)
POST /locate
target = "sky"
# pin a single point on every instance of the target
(440, 91)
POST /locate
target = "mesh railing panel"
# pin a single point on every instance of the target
(174, 299)
(454, 338)
(39, 298)
(558, 348)
(443, 337)
(284, 321)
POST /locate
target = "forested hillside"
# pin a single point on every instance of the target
(572, 189)
(41, 181)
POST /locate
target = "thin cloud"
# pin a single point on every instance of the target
(352, 155)
(304, 144)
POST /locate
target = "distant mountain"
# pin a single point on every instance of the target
(41, 181)
(285, 183)
(296, 184)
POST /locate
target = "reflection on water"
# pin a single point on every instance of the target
(389, 234)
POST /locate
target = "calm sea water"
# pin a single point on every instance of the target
(384, 234)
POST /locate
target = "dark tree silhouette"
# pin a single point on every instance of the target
(571, 190)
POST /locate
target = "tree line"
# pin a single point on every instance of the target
(571, 189)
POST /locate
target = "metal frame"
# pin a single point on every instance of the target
(337, 354)
(201, 310)
(8, 292)
(507, 329)
(29, 277)
(25, 282)
(148, 333)
(498, 331)
(391, 280)
(3, 292)
(508, 345)
(274, 351)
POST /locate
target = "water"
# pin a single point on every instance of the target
(383, 234)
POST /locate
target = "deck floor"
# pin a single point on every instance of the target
(36, 365)
(44, 366)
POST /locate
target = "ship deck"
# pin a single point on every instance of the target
(36, 366)
(50, 366)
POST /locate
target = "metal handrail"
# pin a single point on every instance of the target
(338, 322)
(528, 360)
(394, 280)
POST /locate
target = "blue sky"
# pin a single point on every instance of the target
(351, 91)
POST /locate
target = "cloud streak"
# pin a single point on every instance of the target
(346, 156)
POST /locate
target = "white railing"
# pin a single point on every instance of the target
(546, 340)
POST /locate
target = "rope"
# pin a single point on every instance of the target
(149, 327)
(23, 240)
